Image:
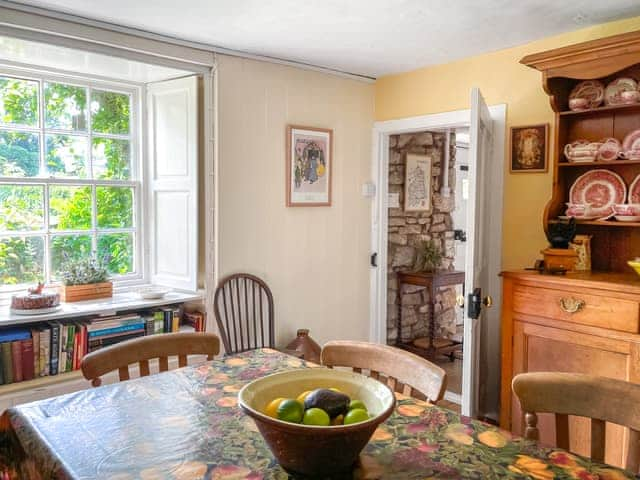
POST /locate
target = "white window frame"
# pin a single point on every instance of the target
(137, 182)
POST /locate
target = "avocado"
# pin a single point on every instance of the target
(334, 403)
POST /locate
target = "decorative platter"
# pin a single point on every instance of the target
(592, 90)
(600, 188)
(627, 218)
(612, 94)
(634, 190)
(631, 141)
(34, 311)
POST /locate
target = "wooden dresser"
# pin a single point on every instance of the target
(579, 322)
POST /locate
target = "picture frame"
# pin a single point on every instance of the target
(309, 166)
(529, 149)
(417, 183)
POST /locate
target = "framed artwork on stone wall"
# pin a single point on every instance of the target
(417, 183)
(529, 149)
(309, 166)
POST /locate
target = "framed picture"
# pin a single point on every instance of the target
(529, 148)
(417, 183)
(309, 166)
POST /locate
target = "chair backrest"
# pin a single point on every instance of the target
(141, 350)
(598, 398)
(243, 305)
(402, 371)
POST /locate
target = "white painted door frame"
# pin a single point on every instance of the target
(379, 213)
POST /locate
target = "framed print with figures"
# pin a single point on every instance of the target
(529, 149)
(417, 184)
(309, 166)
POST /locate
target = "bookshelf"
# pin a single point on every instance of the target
(103, 310)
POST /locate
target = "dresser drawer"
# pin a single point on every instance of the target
(577, 307)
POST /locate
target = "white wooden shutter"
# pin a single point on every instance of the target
(173, 182)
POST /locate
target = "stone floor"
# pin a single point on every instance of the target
(454, 373)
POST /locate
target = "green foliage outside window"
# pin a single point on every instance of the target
(70, 206)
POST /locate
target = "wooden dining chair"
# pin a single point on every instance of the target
(243, 305)
(141, 350)
(402, 371)
(597, 398)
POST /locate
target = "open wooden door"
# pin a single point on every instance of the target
(477, 272)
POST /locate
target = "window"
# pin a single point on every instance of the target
(68, 178)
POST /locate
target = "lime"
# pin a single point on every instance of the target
(356, 415)
(316, 416)
(357, 404)
(272, 408)
(301, 398)
(290, 410)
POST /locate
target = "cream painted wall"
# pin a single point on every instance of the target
(314, 259)
(502, 79)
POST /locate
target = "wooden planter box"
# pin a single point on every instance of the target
(78, 293)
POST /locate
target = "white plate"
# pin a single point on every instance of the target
(585, 217)
(34, 311)
(627, 218)
(153, 293)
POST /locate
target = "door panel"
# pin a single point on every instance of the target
(477, 255)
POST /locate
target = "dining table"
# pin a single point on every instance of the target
(185, 424)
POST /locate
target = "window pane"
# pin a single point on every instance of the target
(115, 207)
(111, 159)
(19, 154)
(65, 106)
(109, 112)
(21, 260)
(118, 249)
(69, 207)
(18, 102)
(66, 248)
(66, 156)
(21, 207)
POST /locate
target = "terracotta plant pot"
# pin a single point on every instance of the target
(313, 450)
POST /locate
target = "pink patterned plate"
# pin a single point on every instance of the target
(592, 90)
(634, 190)
(631, 141)
(599, 188)
(613, 92)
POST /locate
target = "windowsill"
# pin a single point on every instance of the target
(102, 307)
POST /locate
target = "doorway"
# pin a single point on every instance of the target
(383, 275)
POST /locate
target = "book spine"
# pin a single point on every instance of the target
(149, 326)
(71, 337)
(108, 331)
(45, 346)
(1, 369)
(76, 341)
(100, 343)
(35, 337)
(168, 317)
(16, 359)
(62, 351)
(54, 347)
(7, 364)
(26, 347)
(102, 324)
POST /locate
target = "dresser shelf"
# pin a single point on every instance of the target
(602, 223)
(599, 163)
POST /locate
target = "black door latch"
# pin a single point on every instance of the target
(374, 259)
(460, 235)
(474, 303)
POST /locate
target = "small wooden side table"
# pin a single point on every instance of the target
(432, 281)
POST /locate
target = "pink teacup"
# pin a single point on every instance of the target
(578, 104)
(630, 155)
(626, 209)
(578, 209)
(630, 96)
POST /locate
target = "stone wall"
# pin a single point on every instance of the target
(408, 229)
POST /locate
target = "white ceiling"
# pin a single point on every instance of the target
(366, 37)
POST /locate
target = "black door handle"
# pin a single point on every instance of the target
(374, 259)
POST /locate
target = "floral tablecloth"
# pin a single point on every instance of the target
(185, 424)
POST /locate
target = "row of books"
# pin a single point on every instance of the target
(53, 348)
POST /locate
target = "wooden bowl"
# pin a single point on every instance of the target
(308, 449)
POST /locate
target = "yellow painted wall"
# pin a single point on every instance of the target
(502, 79)
(315, 259)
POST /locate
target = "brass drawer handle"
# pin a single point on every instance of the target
(571, 305)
